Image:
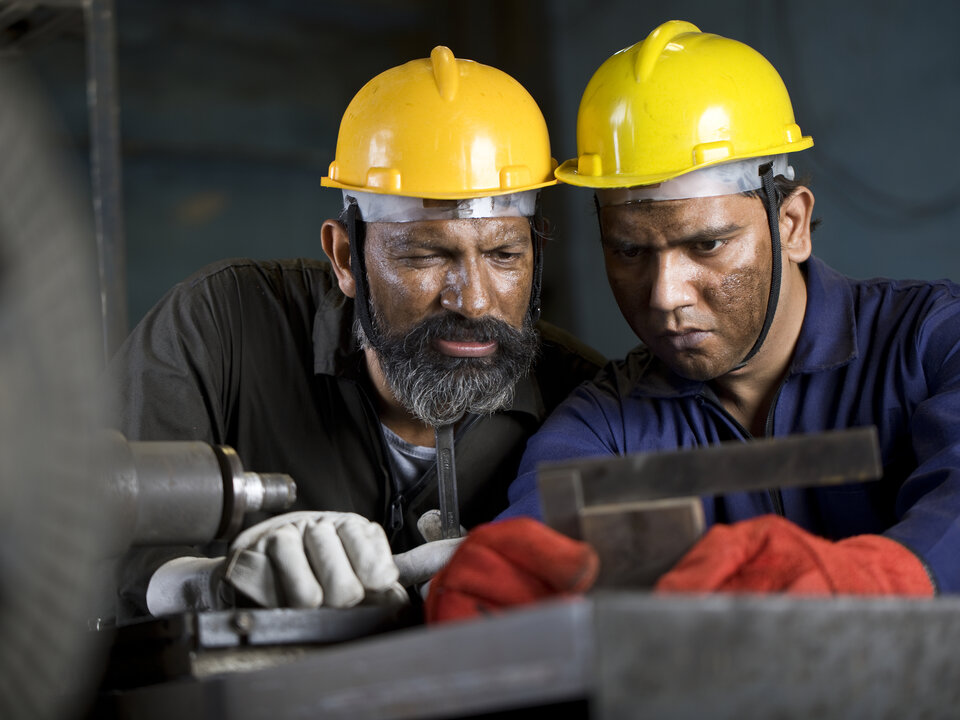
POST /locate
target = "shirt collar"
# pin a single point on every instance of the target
(335, 347)
(828, 337)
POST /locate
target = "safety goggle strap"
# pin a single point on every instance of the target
(355, 232)
(770, 200)
(538, 230)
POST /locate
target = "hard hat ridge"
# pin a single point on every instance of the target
(445, 71)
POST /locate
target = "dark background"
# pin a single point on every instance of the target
(229, 113)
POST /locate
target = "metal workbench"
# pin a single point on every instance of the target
(611, 655)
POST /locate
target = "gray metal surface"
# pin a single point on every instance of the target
(628, 654)
(833, 457)
(776, 657)
(520, 659)
(285, 626)
(639, 542)
(198, 644)
(51, 527)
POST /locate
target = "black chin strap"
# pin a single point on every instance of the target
(538, 230)
(770, 195)
(770, 202)
(355, 232)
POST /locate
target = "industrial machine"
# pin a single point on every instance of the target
(619, 652)
(184, 493)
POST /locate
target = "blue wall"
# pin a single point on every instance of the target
(229, 113)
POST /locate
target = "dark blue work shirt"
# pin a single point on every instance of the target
(873, 352)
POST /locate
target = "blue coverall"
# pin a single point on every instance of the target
(870, 352)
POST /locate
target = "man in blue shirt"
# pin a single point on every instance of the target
(706, 237)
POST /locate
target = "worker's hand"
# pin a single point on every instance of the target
(194, 583)
(509, 563)
(186, 583)
(309, 559)
(772, 554)
(417, 566)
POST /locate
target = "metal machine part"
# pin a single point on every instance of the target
(610, 656)
(447, 482)
(184, 492)
(642, 512)
(200, 644)
(50, 525)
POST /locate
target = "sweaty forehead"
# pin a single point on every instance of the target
(449, 232)
(680, 217)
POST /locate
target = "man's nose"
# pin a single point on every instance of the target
(466, 290)
(670, 285)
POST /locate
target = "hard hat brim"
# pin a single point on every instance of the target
(433, 195)
(568, 172)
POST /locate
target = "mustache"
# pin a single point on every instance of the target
(451, 326)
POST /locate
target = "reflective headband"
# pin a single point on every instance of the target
(375, 207)
(724, 179)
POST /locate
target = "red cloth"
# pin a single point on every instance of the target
(507, 563)
(771, 554)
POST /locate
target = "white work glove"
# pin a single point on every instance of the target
(263, 561)
(186, 583)
(419, 565)
(309, 559)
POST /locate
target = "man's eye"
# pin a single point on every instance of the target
(709, 246)
(630, 251)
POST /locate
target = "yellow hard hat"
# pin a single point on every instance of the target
(678, 101)
(442, 128)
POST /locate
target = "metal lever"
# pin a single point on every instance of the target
(447, 482)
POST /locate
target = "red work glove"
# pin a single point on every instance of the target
(771, 554)
(508, 563)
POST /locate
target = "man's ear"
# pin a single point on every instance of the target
(336, 245)
(796, 213)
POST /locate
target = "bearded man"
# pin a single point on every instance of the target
(340, 373)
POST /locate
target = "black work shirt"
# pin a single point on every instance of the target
(261, 356)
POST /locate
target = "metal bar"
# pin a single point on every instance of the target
(447, 482)
(628, 654)
(729, 657)
(105, 169)
(638, 542)
(518, 660)
(826, 458)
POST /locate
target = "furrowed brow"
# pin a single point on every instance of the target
(708, 234)
(406, 238)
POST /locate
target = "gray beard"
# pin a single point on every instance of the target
(439, 389)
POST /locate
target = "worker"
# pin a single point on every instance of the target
(706, 237)
(425, 315)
